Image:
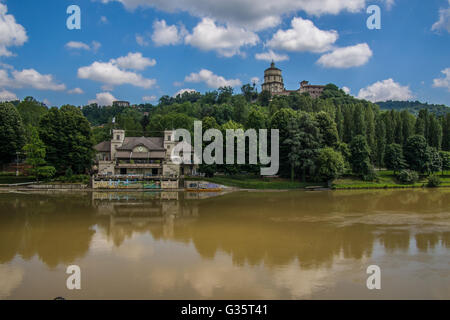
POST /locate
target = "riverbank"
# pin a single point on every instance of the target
(386, 180)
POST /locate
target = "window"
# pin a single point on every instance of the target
(118, 137)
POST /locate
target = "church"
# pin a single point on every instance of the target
(273, 82)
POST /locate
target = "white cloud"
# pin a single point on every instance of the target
(444, 20)
(257, 15)
(347, 57)
(7, 96)
(226, 40)
(149, 98)
(78, 45)
(443, 82)
(385, 90)
(180, 92)
(103, 20)
(76, 91)
(164, 35)
(212, 80)
(112, 73)
(103, 99)
(11, 33)
(255, 80)
(29, 78)
(141, 40)
(303, 36)
(134, 61)
(346, 90)
(271, 56)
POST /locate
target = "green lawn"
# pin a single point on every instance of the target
(254, 182)
(386, 179)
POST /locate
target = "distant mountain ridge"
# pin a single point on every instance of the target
(414, 107)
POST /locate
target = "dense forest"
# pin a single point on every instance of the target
(320, 139)
(414, 107)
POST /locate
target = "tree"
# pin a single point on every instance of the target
(304, 144)
(417, 153)
(280, 121)
(328, 130)
(31, 111)
(446, 132)
(264, 98)
(12, 133)
(359, 159)
(68, 139)
(393, 158)
(35, 152)
(249, 91)
(225, 94)
(380, 142)
(445, 160)
(257, 119)
(435, 164)
(331, 164)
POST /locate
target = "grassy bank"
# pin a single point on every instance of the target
(14, 179)
(386, 179)
(254, 182)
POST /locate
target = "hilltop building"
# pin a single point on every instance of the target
(123, 104)
(273, 82)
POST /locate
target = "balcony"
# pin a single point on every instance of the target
(139, 166)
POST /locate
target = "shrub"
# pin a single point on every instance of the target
(408, 177)
(433, 181)
(46, 173)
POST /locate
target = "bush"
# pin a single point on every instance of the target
(369, 173)
(408, 177)
(46, 173)
(7, 174)
(433, 181)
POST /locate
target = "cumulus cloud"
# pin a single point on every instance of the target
(103, 99)
(443, 82)
(258, 15)
(7, 96)
(226, 40)
(11, 33)
(255, 80)
(180, 92)
(347, 57)
(385, 90)
(134, 61)
(444, 20)
(346, 90)
(149, 98)
(78, 45)
(164, 35)
(76, 91)
(303, 36)
(113, 73)
(29, 78)
(211, 80)
(271, 56)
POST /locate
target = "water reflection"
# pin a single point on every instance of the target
(240, 245)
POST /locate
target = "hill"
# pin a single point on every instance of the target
(414, 107)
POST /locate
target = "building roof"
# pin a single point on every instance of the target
(140, 155)
(151, 143)
(104, 146)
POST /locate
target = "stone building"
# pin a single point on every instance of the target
(273, 82)
(123, 104)
(139, 157)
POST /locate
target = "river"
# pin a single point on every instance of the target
(240, 245)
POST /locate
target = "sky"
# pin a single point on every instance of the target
(140, 50)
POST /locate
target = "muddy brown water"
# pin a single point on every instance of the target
(240, 245)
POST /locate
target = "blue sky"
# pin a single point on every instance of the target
(139, 50)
